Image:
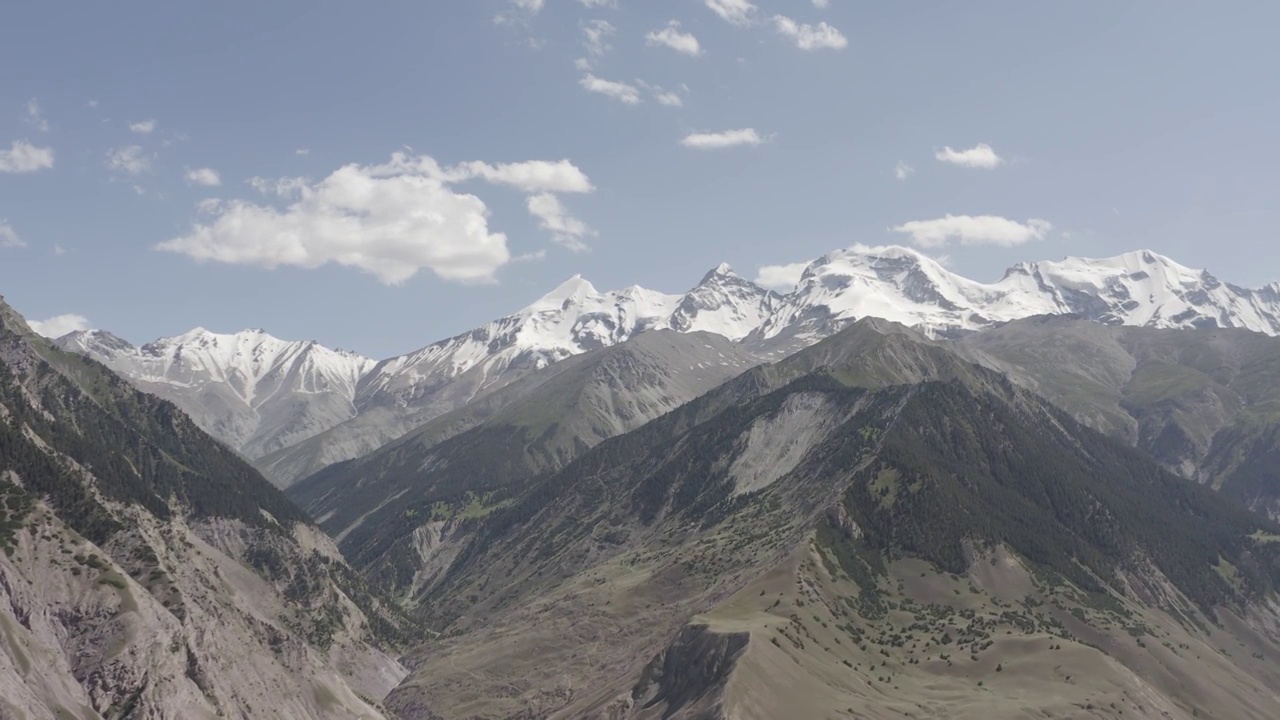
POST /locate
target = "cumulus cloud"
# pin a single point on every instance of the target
(622, 92)
(782, 278)
(207, 177)
(565, 229)
(736, 12)
(671, 36)
(35, 117)
(129, 160)
(302, 151)
(56, 327)
(981, 155)
(534, 176)
(973, 230)
(390, 220)
(9, 237)
(143, 127)
(23, 157)
(902, 171)
(720, 140)
(596, 33)
(810, 37)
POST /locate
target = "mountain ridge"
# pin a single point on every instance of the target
(390, 397)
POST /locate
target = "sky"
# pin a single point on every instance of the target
(378, 176)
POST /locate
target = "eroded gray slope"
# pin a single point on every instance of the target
(391, 508)
(149, 572)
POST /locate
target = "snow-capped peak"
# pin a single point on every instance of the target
(575, 287)
(723, 270)
(907, 286)
(723, 303)
(230, 383)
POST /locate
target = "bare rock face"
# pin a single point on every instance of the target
(174, 628)
(149, 572)
(687, 679)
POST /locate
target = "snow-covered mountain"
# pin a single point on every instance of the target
(571, 319)
(254, 392)
(404, 392)
(297, 407)
(1138, 288)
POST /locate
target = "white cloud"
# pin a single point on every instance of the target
(668, 98)
(737, 12)
(973, 230)
(23, 157)
(980, 156)
(596, 32)
(810, 37)
(302, 151)
(143, 127)
(719, 140)
(208, 177)
(622, 92)
(56, 327)
(534, 176)
(599, 3)
(663, 96)
(281, 187)
(822, 4)
(670, 36)
(782, 278)
(390, 220)
(9, 237)
(129, 160)
(566, 230)
(902, 170)
(58, 249)
(522, 10)
(35, 117)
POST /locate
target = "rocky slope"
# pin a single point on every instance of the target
(401, 511)
(847, 539)
(149, 572)
(1204, 402)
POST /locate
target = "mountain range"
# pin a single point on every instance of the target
(875, 526)
(297, 407)
(1058, 499)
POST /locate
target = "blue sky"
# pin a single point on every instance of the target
(536, 142)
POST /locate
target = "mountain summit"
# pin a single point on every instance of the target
(255, 392)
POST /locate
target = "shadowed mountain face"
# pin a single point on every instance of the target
(400, 510)
(840, 524)
(1205, 403)
(148, 571)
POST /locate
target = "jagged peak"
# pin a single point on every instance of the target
(721, 271)
(576, 287)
